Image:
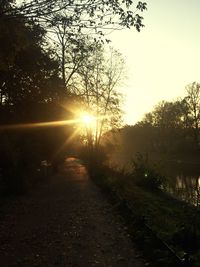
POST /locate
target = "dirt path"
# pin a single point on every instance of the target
(66, 223)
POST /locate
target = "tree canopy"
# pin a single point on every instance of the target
(88, 14)
(52, 53)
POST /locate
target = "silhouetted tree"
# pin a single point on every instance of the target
(99, 79)
(28, 73)
(192, 101)
(87, 14)
(29, 85)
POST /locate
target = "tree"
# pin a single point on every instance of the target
(167, 114)
(27, 71)
(192, 100)
(90, 14)
(71, 26)
(99, 78)
(71, 50)
(168, 124)
(30, 91)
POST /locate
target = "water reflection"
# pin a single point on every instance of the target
(185, 185)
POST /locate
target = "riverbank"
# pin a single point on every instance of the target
(173, 222)
(182, 172)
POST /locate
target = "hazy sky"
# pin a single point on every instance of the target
(163, 58)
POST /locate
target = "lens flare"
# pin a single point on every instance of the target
(37, 124)
(88, 119)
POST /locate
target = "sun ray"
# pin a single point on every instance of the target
(38, 124)
(68, 140)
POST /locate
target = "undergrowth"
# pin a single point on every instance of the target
(171, 221)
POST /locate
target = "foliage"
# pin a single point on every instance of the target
(36, 77)
(70, 25)
(100, 78)
(94, 158)
(170, 131)
(30, 91)
(93, 73)
(23, 79)
(192, 101)
(178, 120)
(24, 149)
(146, 175)
(166, 115)
(155, 219)
(80, 14)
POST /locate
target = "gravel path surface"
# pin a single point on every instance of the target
(66, 223)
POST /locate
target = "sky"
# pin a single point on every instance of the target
(163, 58)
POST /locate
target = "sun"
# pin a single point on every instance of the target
(88, 119)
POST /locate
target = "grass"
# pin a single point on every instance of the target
(174, 222)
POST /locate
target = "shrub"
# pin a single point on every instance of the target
(94, 158)
(145, 174)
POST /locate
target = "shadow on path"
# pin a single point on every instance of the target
(65, 223)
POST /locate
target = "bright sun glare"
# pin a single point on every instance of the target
(88, 119)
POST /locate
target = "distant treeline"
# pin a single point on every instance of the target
(170, 130)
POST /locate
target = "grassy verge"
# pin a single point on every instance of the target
(166, 229)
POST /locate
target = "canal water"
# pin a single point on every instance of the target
(183, 181)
